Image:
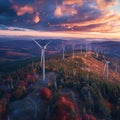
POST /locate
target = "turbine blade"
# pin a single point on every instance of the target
(104, 58)
(63, 48)
(48, 43)
(37, 43)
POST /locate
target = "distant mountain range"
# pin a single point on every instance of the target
(108, 47)
(12, 50)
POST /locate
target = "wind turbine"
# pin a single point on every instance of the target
(90, 49)
(43, 48)
(96, 52)
(106, 68)
(63, 51)
(86, 48)
(116, 66)
(55, 84)
(73, 47)
(81, 48)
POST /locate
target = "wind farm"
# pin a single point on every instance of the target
(60, 72)
(60, 60)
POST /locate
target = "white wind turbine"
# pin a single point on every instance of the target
(86, 48)
(81, 48)
(106, 68)
(90, 49)
(43, 48)
(116, 66)
(73, 47)
(63, 51)
(96, 52)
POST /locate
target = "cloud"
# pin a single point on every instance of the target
(104, 4)
(36, 18)
(23, 10)
(62, 11)
(58, 35)
(107, 22)
(73, 2)
(70, 15)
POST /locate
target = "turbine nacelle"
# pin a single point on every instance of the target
(107, 62)
(44, 47)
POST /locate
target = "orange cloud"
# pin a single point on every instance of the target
(71, 2)
(61, 11)
(104, 4)
(36, 19)
(23, 10)
(58, 12)
(108, 22)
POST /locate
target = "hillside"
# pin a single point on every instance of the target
(93, 63)
(74, 89)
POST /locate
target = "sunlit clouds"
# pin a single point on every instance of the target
(104, 4)
(22, 10)
(36, 18)
(78, 16)
(106, 23)
(73, 2)
(62, 11)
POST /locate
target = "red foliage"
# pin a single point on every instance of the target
(92, 117)
(23, 83)
(29, 77)
(88, 117)
(45, 93)
(65, 110)
(34, 70)
(108, 104)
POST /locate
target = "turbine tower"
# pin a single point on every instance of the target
(106, 68)
(43, 48)
(63, 51)
(73, 47)
(90, 49)
(81, 48)
(116, 66)
(86, 48)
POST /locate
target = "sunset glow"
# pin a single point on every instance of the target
(61, 18)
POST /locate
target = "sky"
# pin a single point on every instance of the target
(60, 18)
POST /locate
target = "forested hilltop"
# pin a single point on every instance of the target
(76, 88)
